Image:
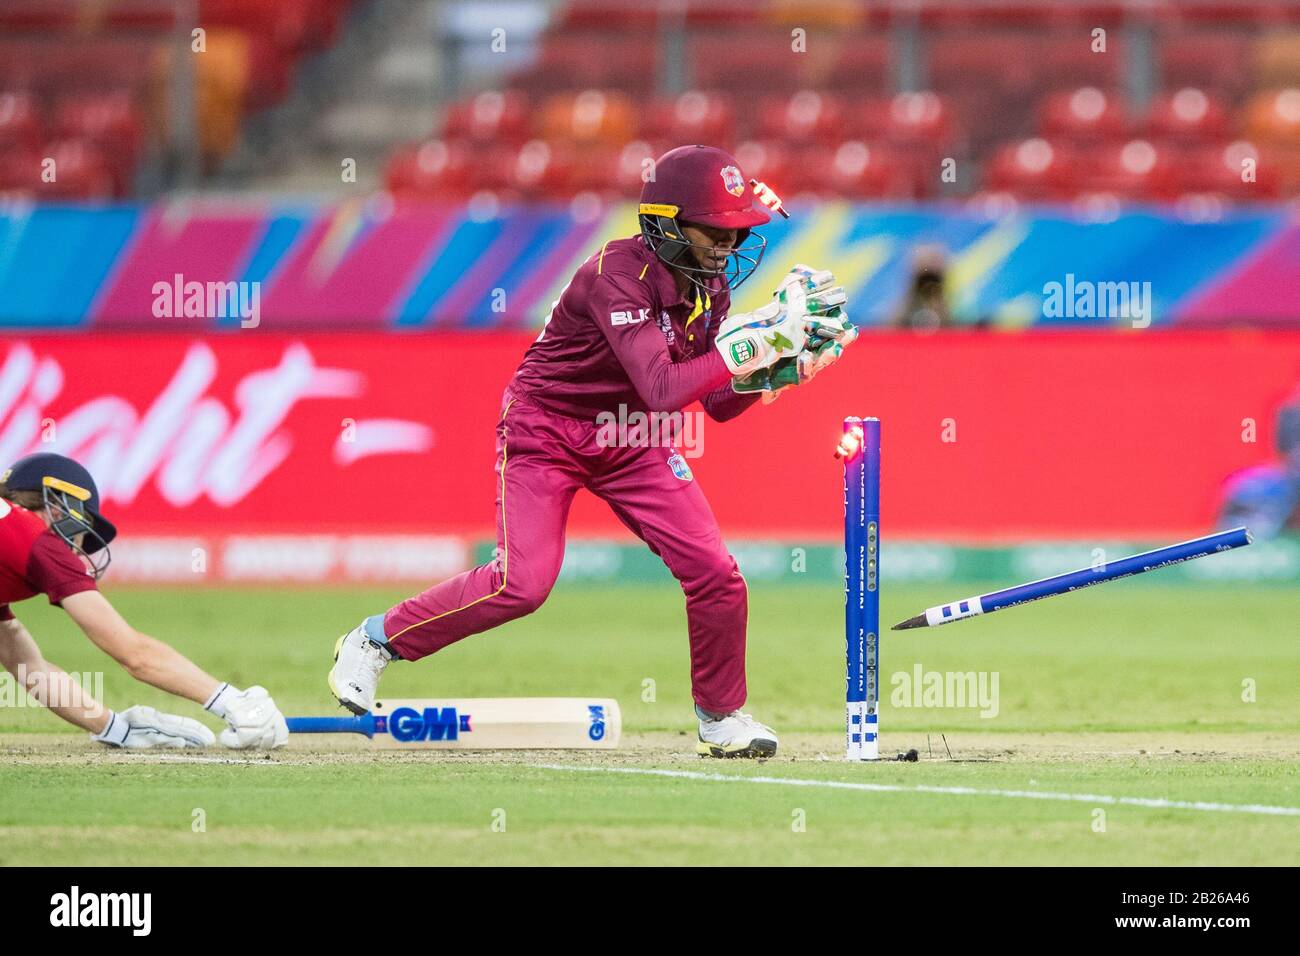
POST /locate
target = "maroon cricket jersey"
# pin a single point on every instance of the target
(621, 334)
(34, 560)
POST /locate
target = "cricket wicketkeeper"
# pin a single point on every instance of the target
(54, 541)
(644, 326)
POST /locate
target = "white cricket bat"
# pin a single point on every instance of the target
(481, 723)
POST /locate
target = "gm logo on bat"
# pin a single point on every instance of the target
(411, 726)
(596, 713)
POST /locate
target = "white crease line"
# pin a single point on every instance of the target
(1150, 802)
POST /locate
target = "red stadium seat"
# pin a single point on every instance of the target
(993, 62)
(599, 60)
(289, 24)
(1036, 169)
(542, 170)
(1274, 115)
(490, 116)
(592, 116)
(695, 116)
(1067, 59)
(867, 117)
(633, 163)
(1009, 66)
(1218, 170)
(80, 172)
(1283, 161)
(860, 64)
(595, 170)
(1086, 116)
(596, 14)
(770, 162)
(20, 168)
(432, 170)
(20, 122)
(803, 117)
(1137, 169)
(1213, 60)
(758, 63)
(921, 128)
(920, 117)
(1277, 58)
(1188, 115)
(109, 122)
(855, 170)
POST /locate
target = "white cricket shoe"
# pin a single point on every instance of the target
(358, 664)
(735, 735)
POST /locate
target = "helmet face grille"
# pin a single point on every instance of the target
(664, 236)
(68, 520)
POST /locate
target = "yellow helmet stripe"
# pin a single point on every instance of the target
(58, 484)
(659, 209)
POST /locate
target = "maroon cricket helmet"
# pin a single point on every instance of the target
(704, 185)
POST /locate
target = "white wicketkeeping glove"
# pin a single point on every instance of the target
(754, 340)
(143, 728)
(827, 327)
(815, 288)
(255, 722)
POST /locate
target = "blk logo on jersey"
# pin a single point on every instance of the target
(678, 464)
(733, 180)
(629, 317)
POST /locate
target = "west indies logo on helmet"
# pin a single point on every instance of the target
(703, 186)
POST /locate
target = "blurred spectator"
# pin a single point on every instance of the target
(1266, 498)
(926, 307)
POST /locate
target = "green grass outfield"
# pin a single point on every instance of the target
(1121, 736)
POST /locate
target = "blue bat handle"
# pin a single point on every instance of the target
(365, 724)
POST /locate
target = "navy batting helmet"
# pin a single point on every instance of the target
(71, 501)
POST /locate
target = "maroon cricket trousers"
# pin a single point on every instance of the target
(543, 458)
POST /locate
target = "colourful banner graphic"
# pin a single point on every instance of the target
(373, 264)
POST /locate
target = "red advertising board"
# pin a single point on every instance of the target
(993, 437)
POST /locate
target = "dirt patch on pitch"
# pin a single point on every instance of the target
(670, 748)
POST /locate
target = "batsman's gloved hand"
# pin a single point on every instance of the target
(143, 728)
(754, 340)
(255, 722)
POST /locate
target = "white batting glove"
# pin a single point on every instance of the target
(143, 728)
(255, 722)
(754, 340)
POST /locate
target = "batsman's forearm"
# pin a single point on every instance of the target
(48, 683)
(671, 386)
(56, 690)
(159, 665)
